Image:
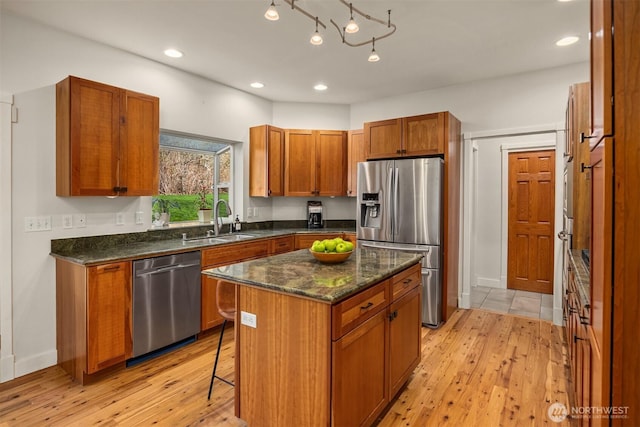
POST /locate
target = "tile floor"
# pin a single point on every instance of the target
(523, 303)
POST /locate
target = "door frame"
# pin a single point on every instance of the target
(7, 358)
(552, 135)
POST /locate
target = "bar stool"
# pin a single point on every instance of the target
(226, 302)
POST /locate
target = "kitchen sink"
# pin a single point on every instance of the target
(219, 239)
(234, 237)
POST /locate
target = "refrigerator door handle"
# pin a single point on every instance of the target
(396, 201)
(392, 202)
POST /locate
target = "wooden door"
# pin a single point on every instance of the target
(108, 315)
(139, 145)
(359, 389)
(94, 133)
(266, 161)
(404, 339)
(383, 139)
(531, 221)
(423, 135)
(300, 163)
(601, 261)
(331, 163)
(357, 153)
(209, 315)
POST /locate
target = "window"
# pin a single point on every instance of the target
(195, 172)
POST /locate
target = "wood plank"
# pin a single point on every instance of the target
(479, 368)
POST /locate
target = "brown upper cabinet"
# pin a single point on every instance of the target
(107, 140)
(421, 135)
(266, 161)
(579, 153)
(357, 153)
(315, 163)
(601, 71)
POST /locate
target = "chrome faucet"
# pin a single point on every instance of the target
(216, 227)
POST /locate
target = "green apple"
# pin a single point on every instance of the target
(341, 248)
(349, 246)
(318, 246)
(330, 246)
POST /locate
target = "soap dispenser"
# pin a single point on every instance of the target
(237, 224)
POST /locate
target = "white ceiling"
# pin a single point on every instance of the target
(437, 43)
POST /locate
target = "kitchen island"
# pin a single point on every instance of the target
(320, 344)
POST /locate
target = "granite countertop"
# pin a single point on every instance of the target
(301, 274)
(582, 277)
(103, 249)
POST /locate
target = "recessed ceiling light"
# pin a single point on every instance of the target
(320, 87)
(173, 53)
(257, 85)
(566, 41)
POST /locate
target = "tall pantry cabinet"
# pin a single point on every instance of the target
(615, 161)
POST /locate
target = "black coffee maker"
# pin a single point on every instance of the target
(314, 214)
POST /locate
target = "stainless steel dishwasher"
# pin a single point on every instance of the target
(166, 301)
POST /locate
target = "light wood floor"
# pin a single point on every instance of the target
(480, 368)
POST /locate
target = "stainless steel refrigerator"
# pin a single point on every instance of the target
(400, 207)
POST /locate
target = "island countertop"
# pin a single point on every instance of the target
(301, 274)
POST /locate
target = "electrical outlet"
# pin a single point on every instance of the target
(81, 220)
(67, 221)
(139, 217)
(248, 319)
(255, 212)
(119, 218)
(249, 212)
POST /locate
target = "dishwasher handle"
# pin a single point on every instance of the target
(164, 269)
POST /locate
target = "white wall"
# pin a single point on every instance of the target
(35, 57)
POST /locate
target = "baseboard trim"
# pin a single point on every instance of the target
(35, 363)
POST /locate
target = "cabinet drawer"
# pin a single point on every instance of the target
(281, 245)
(405, 281)
(352, 312)
(236, 252)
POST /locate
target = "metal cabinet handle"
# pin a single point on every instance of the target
(583, 167)
(583, 137)
(366, 307)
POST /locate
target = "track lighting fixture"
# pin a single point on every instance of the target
(272, 13)
(374, 57)
(316, 38)
(345, 32)
(352, 26)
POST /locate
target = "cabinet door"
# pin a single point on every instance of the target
(359, 388)
(209, 317)
(300, 163)
(383, 139)
(404, 339)
(601, 261)
(357, 153)
(423, 135)
(331, 163)
(139, 145)
(266, 161)
(87, 138)
(108, 315)
(280, 245)
(601, 70)
(581, 175)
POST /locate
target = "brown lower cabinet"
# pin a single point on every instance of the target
(218, 256)
(94, 321)
(336, 364)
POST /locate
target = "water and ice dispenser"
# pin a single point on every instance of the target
(370, 213)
